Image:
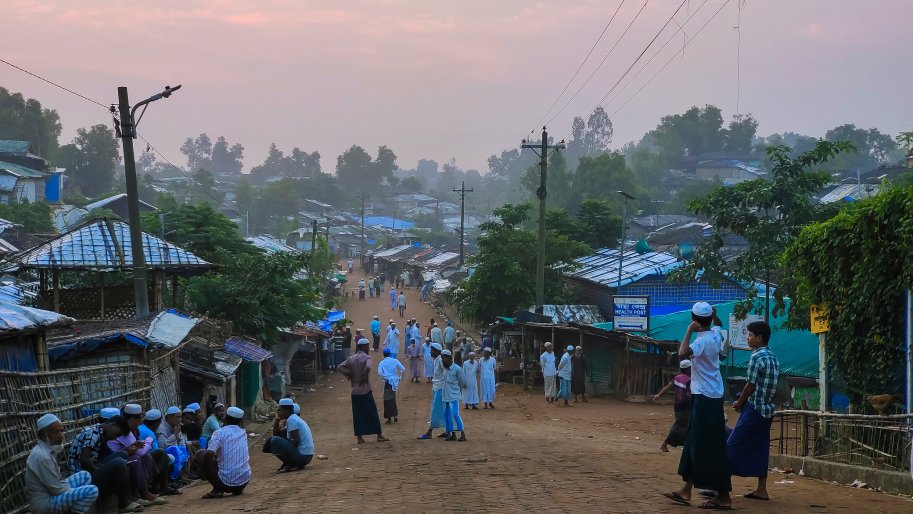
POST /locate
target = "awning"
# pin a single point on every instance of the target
(247, 351)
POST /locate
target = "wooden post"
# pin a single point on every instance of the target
(156, 290)
(523, 361)
(41, 353)
(101, 294)
(804, 435)
(55, 276)
(174, 291)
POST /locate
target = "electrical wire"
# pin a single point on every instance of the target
(68, 90)
(192, 181)
(587, 81)
(585, 59)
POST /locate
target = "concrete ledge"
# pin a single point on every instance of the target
(888, 481)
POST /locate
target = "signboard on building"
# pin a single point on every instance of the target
(738, 330)
(631, 313)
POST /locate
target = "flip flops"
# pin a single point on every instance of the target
(210, 496)
(753, 496)
(677, 498)
(424, 437)
(713, 505)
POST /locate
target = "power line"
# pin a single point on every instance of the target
(585, 59)
(192, 181)
(68, 90)
(587, 81)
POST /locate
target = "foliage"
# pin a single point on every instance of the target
(905, 142)
(768, 214)
(298, 164)
(219, 157)
(505, 267)
(35, 218)
(594, 224)
(872, 147)
(91, 159)
(356, 171)
(411, 185)
(741, 133)
(596, 177)
(697, 131)
(859, 264)
(322, 262)
(27, 120)
(199, 229)
(101, 212)
(257, 292)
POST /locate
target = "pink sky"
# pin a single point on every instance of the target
(434, 79)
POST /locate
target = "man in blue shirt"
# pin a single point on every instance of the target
(294, 447)
(375, 332)
(147, 430)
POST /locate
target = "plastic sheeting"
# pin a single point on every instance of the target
(169, 329)
(17, 318)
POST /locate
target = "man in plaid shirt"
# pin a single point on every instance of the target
(749, 442)
(89, 452)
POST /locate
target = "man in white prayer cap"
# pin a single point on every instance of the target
(294, 445)
(109, 472)
(453, 384)
(225, 463)
(47, 491)
(437, 393)
(471, 372)
(565, 371)
(549, 373)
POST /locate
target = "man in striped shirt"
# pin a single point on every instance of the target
(225, 463)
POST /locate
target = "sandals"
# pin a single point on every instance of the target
(211, 496)
(753, 496)
(462, 439)
(677, 498)
(451, 438)
(713, 505)
(424, 437)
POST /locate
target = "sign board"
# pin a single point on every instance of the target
(738, 330)
(631, 313)
(819, 323)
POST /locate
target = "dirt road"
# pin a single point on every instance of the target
(601, 456)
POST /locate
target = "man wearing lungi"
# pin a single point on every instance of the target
(357, 369)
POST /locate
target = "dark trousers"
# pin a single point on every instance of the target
(376, 341)
(208, 465)
(282, 448)
(111, 477)
(159, 478)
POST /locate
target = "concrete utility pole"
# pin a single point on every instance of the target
(313, 237)
(128, 124)
(621, 247)
(362, 246)
(462, 191)
(542, 150)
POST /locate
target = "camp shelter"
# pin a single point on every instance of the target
(97, 248)
(254, 372)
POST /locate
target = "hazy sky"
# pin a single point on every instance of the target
(464, 79)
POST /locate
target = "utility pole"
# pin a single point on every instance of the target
(462, 191)
(127, 129)
(542, 150)
(621, 247)
(362, 245)
(313, 237)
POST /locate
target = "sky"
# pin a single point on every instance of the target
(463, 80)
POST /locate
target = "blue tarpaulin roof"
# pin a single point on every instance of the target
(247, 351)
(95, 246)
(602, 266)
(326, 324)
(387, 222)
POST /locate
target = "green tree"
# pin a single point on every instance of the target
(768, 214)
(356, 171)
(600, 222)
(199, 229)
(858, 266)
(504, 267)
(257, 292)
(697, 131)
(872, 147)
(411, 185)
(27, 120)
(198, 152)
(226, 158)
(35, 218)
(91, 159)
(741, 133)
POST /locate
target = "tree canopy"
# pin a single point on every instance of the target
(91, 160)
(24, 119)
(220, 157)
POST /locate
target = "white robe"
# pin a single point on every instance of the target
(487, 373)
(471, 379)
(392, 341)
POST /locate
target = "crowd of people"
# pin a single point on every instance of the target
(137, 457)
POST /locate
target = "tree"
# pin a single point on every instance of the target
(225, 158)
(697, 131)
(353, 170)
(504, 265)
(198, 152)
(91, 159)
(768, 214)
(257, 292)
(598, 133)
(741, 133)
(35, 218)
(858, 266)
(27, 120)
(197, 228)
(411, 185)
(872, 147)
(600, 222)
(905, 142)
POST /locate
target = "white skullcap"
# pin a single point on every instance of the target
(391, 320)
(218, 406)
(486, 349)
(436, 346)
(286, 402)
(194, 407)
(570, 348)
(446, 352)
(235, 412)
(109, 412)
(548, 343)
(472, 354)
(702, 309)
(362, 342)
(376, 317)
(172, 410)
(133, 409)
(579, 348)
(685, 364)
(153, 415)
(188, 410)
(47, 420)
(297, 408)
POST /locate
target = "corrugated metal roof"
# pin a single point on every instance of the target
(16, 318)
(17, 293)
(441, 259)
(93, 246)
(388, 222)
(577, 314)
(8, 183)
(247, 351)
(851, 192)
(169, 329)
(111, 199)
(270, 244)
(390, 252)
(602, 267)
(21, 171)
(9, 146)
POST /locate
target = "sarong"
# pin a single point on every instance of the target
(564, 389)
(676, 436)
(390, 410)
(704, 458)
(550, 389)
(364, 414)
(413, 368)
(749, 444)
(437, 409)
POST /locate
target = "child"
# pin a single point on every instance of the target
(682, 405)
(414, 352)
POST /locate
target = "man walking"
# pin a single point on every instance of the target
(357, 369)
(401, 303)
(392, 341)
(375, 332)
(414, 352)
(453, 384)
(549, 372)
(390, 371)
(487, 367)
(437, 398)
(393, 297)
(361, 290)
(449, 336)
(436, 334)
(427, 360)
(565, 372)
(371, 287)
(471, 382)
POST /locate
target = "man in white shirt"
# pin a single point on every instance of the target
(225, 463)
(437, 335)
(549, 372)
(453, 385)
(390, 370)
(449, 336)
(565, 368)
(392, 341)
(704, 462)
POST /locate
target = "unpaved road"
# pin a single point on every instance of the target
(601, 456)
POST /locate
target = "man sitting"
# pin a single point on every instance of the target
(109, 472)
(171, 437)
(148, 431)
(225, 463)
(47, 491)
(295, 448)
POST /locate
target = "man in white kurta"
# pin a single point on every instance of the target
(549, 372)
(487, 365)
(565, 369)
(471, 380)
(392, 341)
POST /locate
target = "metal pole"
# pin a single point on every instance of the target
(822, 372)
(362, 246)
(541, 193)
(621, 245)
(909, 352)
(462, 218)
(140, 290)
(313, 237)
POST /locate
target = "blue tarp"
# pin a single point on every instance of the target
(332, 317)
(387, 222)
(76, 349)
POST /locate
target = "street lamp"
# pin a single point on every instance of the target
(621, 246)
